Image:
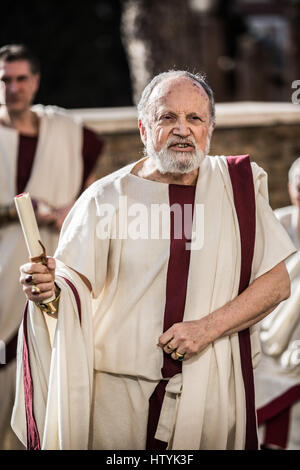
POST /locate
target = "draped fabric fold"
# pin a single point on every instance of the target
(62, 378)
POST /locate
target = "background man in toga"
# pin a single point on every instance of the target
(277, 376)
(145, 352)
(44, 151)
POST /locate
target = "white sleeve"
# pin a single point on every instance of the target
(272, 243)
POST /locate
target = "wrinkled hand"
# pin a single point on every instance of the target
(40, 276)
(188, 338)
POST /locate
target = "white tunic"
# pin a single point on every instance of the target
(58, 151)
(128, 278)
(51, 181)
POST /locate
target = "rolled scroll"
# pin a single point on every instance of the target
(31, 232)
(29, 225)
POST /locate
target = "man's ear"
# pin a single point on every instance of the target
(37, 79)
(213, 128)
(143, 133)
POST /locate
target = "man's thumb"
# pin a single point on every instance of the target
(51, 263)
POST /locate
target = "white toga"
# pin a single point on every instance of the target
(101, 374)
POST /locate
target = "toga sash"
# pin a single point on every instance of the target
(244, 200)
(240, 172)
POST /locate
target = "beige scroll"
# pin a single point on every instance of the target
(31, 233)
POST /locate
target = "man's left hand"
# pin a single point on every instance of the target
(188, 338)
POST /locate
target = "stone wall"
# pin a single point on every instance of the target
(268, 132)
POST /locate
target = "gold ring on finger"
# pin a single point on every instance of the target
(28, 279)
(169, 347)
(35, 290)
(179, 356)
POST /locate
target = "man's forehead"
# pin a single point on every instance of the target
(175, 87)
(17, 67)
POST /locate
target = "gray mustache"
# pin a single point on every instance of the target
(180, 141)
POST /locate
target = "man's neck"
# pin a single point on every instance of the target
(146, 169)
(26, 122)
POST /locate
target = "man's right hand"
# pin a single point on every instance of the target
(40, 276)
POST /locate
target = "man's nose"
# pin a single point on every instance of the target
(12, 86)
(181, 128)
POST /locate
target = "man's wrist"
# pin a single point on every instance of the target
(213, 327)
(51, 308)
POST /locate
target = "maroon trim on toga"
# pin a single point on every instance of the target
(26, 154)
(276, 417)
(244, 199)
(33, 440)
(243, 190)
(92, 148)
(177, 277)
(75, 293)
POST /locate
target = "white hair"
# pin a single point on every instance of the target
(294, 170)
(142, 106)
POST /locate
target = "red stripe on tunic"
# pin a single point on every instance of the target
(244, 199)
(277, 430)
(276, 416)
(76, 295)
(243, 190)
(276, 406)
(26, 154)
(177, 277)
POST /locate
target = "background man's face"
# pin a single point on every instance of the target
(19, 85)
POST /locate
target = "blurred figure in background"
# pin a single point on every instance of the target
(52, 156)
(290, 216)
(278, 374)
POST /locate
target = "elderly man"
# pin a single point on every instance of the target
(44, 151)
(150, 347)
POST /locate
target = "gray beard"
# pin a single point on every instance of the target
(169, 161)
